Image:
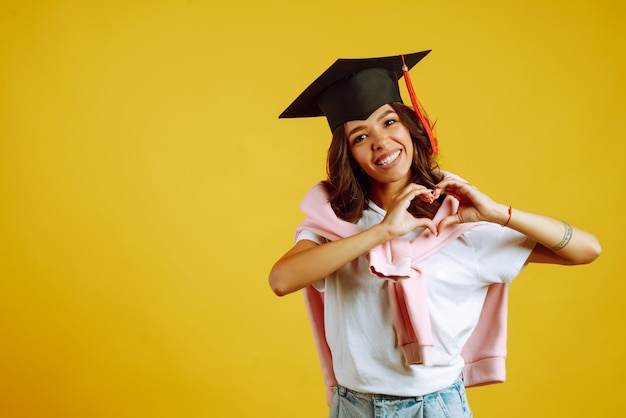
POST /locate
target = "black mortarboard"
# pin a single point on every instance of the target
(351, 89)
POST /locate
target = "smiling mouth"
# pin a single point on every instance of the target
(389, 159)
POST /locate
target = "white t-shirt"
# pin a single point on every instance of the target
(358, 319)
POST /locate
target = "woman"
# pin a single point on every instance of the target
(405, 266)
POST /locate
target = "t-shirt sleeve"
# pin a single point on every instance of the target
(501, 253)
(311, 236)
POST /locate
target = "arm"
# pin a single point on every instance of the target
(558, 241)
(308, 262)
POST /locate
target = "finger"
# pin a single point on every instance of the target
(422, 192)
(460, 191)
(448, 185)
(448, 221)
(408, 194)
(426, 223)
(427, 196)
(431, 227)
(411, 189)
(443, 183)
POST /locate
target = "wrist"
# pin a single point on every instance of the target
(381, 233)
(510, 212)
(503, 215)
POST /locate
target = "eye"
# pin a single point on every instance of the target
(358, 138)
(390, 122)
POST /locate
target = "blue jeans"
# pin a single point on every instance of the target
(447, 403)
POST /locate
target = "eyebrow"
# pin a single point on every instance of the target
(381, 116)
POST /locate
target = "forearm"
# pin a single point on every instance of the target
(572, 244)
(308, 262)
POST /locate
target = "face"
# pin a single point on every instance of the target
(382, 146)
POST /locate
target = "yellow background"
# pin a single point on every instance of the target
(147, 187)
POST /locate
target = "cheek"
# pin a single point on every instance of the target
(409, 145)
(360, 157)
(411, 149)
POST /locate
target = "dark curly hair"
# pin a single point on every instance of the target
(348, 186)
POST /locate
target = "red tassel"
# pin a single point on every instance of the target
(419, 110)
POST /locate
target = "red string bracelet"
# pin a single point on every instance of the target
(508, 220)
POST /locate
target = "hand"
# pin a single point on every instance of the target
(399, 221)
(474, 206)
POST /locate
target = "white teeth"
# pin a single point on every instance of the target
(389, 159)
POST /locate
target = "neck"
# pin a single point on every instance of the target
(383, 193)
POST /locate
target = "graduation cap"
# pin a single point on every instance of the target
(351, 89)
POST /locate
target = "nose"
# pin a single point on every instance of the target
(379, 138)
